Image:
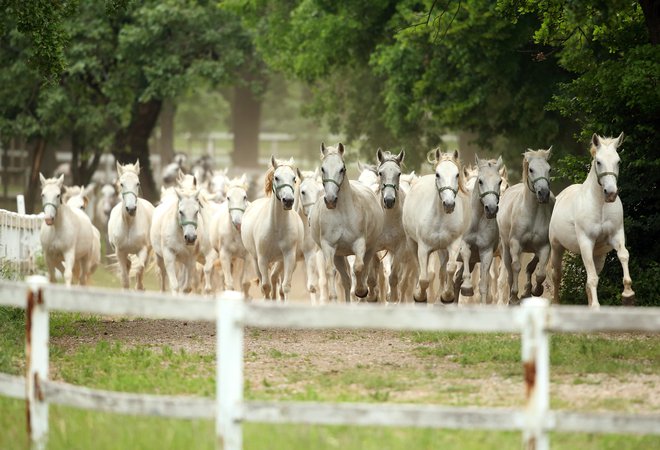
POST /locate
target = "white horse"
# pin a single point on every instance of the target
(218, 185)
(67, 235)
(107, 199)
(173, 236)
(308, 192)
(481, 238)
(393, 236)
(434, 216)
(272, 231)
(523, 221)
(76, 197)
(588, 220)
(129, 225)
(348, 222)
(225, 234)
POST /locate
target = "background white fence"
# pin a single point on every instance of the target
(534, 319)
(19, 239)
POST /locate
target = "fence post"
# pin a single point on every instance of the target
(36, 354)
(536, 364)
(20, 204)
(229, 376)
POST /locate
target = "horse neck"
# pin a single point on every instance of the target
(346, 196)
(276, 211)
(592, 188)
(64, 216)
(475, 203)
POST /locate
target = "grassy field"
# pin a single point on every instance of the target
(108, 362)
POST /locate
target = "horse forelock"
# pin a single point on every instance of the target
(237, 182)
(332, 150)
(604, 142)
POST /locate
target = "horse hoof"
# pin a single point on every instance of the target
(515, 301)
(628, 300)
(537, 291)
(361, 294)
(419, 300)
(446, 301)
(467, 292)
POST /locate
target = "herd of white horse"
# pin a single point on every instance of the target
(447, 230)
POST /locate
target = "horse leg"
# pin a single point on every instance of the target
(51, 263)
(69, 261)
(289, 267)
(541, 259)
(124, 267)
(311, 275)
(556, 255)
(618, 242)
(423, 252)
(342, 267)
(372, 269)
(329, 260)
(209, 262)
(169, 261)
(322, 280)
(466, 286)
(143, 260)
(225, 262)
(587, 253)
(262, 269)
(359, 248)
(529, 271)
(393, 280)
(486, 259)
(514, 254)
(450, 292)
(502, 285)
(160, 262)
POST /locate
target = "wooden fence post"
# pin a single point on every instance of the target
(229, 377)
(36, 354)
(536, 363)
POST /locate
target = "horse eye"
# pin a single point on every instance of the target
(303, 192)
(245, 197)
(437, 175)
(500, 183)
(531, 170)
(481, 182)
(598, 163)
(277, 178)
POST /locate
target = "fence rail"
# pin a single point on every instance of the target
(533, 320)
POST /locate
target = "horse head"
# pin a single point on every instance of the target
(606, 164)
(129, 185)
(389, 172)
(108, 198)
(333, 173)
(237, 200)
(489, 182)
(281, 180)
(188, 211)
(448, 178)
(536, 173)
(51, 196)
(310, 190)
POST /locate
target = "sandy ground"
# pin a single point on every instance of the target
(335, 351)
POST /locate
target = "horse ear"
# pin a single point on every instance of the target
(60, 181)
(379, 155)
(85, 201)
(548, 152)
(300, 177)
(42, 178)
(619, 140)
(179, 176)
(178, 193)
(456, 154)
(137, 166)
(476, 159)
(119, 169)
(500, 163)
(400, 156)
(465, 172)
(504, 173)
(273, 162)
(437, 154)
(226, 171)
(323, 149)
(244, 179)
(340, 148)
(595, 140)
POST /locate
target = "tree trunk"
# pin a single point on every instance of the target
(651, 10)
(34, 185)
(167, 132)
(246, 120)
(132, 143)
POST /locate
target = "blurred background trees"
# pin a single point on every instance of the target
(132, 78)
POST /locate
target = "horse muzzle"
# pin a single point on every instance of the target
(330, 203)
(131, 211)
(448, 206)
(287, 203)
(610, 195)
(389, 202)
(49, 221)
(491, 211)
(543, 195)
(190, 239)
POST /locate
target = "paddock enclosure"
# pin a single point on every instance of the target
(534, 320)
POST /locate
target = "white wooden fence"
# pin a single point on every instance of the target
(19, 238)
(534, 319)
